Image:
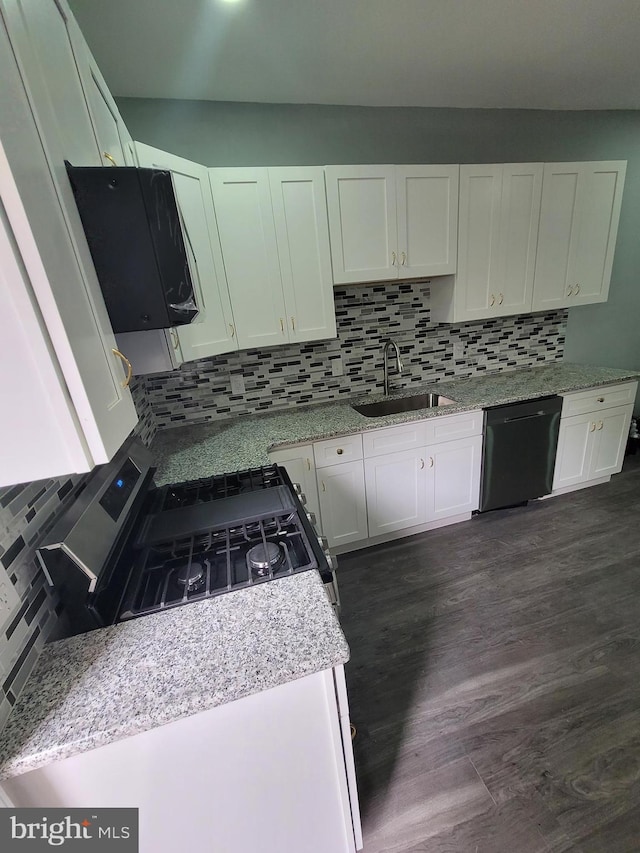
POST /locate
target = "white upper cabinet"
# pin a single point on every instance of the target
(578, 229)
(300, 216)
(273, 234)
(242, 202)
(499, 213)
(213, 331)
(361, 203)
(50, 123)
(114, 140)
(391, 222)
(427, 209)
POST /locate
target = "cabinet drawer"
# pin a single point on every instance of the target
(378, 442)
(336, 450)
(450, 427)
(594, 399)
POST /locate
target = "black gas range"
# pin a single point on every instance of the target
(127, 548)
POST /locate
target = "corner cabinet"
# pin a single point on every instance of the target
(498, 233)
(594, 428)
(47, 258)
(578, 229)
(273, 235)
(391, 222)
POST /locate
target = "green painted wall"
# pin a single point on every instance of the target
(233, 134)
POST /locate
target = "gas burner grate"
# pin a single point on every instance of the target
(207, 564)
(221, 486)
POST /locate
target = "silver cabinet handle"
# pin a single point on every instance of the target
(431, 462)
(570, 292)
(404, 259)
(577, 290)
(421, 464)
(600, 424)
(592, 427)
(501, 299)
(492, 301)
(393, 259)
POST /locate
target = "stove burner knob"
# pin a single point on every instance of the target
(310, 517)
(330, 561)
(324, 543)
(297, 488)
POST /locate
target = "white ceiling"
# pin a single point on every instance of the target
(535, 54)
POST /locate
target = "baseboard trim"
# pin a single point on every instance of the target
(400, 534)
(566, 489)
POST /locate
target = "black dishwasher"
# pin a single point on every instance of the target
(520, 442)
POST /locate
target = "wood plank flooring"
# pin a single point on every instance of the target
(494, 679)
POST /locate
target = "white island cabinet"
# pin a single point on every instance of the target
(271, 772)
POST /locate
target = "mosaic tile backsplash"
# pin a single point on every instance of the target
(279, 377)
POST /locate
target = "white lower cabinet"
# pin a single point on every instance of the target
(300, 466)
(396, 491)
(454, 478)
(593, 434)
(404, 478)
(341, 489)
(299, 781)
(591, 446)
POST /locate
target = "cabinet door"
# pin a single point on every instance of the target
(39, 433)
(575, 449)
(361, 202)
(52, 125)
(476, 290)
(427, 208)
(212, 332)
(610, 440)
(112, 136)
(396, 491)
(342, 503)
(302, 232)
(453, 485)
(599, 216)
(242, 202)
(300, 466)
(562, 198)
(519, 217)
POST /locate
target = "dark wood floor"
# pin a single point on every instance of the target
(495, 679)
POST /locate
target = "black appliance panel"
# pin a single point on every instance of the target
(131, 221)
(519, 455)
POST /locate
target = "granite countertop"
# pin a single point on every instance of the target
(96, 688)
(202, 450)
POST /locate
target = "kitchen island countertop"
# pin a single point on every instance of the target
(224, 446)
(96, 688)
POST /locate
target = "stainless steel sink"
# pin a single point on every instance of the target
(402, 404)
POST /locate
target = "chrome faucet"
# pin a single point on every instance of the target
(388, 343)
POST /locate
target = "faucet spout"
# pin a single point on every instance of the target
(390, 344)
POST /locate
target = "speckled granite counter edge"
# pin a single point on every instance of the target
(71, 702)
(223, 446)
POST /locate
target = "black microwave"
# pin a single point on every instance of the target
(133, 227)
